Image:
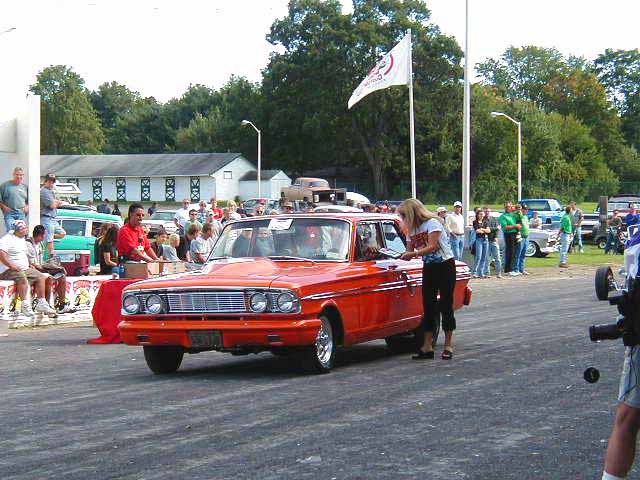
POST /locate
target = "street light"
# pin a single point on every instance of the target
(500, 114)
(7, 30)
(247, 122)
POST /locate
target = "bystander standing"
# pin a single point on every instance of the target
(455, 225)
(494, 247)
(535, 221)
(104, 207)
(523, 244)
(510, 228)
(217, 211)
(152, 209)
(14, 198)
(576, 225)
(182, 215)
(49, 204)
(566, 230)
(482, 230)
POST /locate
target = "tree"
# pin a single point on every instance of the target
(69, 122)
(112, 101)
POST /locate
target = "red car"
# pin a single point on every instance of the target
(299, 285)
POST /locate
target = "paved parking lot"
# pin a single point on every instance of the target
(511, 405)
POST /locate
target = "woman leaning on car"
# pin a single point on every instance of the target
(428, 239)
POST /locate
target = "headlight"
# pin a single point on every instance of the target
(286, 302)
(131, 304)
(155, 304)
(258, 302)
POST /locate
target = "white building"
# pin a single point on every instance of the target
(271, 182)
(161, 177)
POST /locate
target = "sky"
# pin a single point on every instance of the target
(159, 47)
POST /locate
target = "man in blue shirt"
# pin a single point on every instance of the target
(632, 217)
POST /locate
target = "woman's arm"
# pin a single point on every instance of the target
(107, 259)
(432, 246)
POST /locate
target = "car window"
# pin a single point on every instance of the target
(367, 241)
(537, 205)
(168, 216)
(392, 237)
(74, 227)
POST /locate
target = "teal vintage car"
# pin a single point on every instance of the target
(82, 227)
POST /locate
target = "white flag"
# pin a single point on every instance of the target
(393, 69)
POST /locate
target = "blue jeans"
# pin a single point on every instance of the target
(520, 256)
(577, 239)
(494, 252)
(11, 216)
(482, 249)
(457, 246)
(564, 246)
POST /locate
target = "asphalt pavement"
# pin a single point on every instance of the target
(511, 405)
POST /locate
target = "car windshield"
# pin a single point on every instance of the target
(285, 238)
(163, 216)
(554, 204)
(319, 183)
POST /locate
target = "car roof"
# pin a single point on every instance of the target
(88, 214)
(352, 216)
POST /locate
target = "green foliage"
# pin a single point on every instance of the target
(69, 124)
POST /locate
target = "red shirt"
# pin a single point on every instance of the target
(217, 213)
(129, 239)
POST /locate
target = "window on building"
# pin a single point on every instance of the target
(96, 187)
(121, 189)
(145, 189)
(195, 189)
(170, 189)
(227, 175)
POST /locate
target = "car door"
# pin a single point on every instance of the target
(374, 278)
(406, 299)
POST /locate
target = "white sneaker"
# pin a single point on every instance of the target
(26, 310)
(43, 307)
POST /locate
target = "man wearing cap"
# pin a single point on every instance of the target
(49, 210)
(14, 198)
(14, 266)
(455, 224)
(182, 216)
(287, 207)
(442, 213)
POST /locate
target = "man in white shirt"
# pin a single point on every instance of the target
(202, 245)
(454, 222)
(14, 266)
(182, 216)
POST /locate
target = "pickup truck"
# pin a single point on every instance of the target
(549, 209)
(314, 190)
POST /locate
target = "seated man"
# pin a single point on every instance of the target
(55, 277)
(14, 266)
(264, 246)
(202, 245)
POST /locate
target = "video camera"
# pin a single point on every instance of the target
(627, 325)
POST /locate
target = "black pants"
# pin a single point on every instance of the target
(438, 277)
(509, 252)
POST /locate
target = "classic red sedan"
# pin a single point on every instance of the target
(299, 285)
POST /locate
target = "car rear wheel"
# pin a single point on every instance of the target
(601, 242)
(320, 357)
(162, 360)
(604, 282)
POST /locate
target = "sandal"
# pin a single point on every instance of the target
(430, 355)
(447, 354)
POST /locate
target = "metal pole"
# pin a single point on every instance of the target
(259, 162)
(466, 136)
(519, 163)
(412, 140)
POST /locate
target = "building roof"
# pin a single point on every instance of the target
(264, 175)
(138, 165)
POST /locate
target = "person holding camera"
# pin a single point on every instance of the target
(621, 449)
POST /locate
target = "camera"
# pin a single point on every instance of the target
(627, 325)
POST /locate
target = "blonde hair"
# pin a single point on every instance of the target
(415, 214)
(173, 238)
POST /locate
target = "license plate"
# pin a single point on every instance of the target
(67, 257)
(205, 339)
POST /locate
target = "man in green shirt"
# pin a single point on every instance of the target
(566, 229)
(523, 244)
(510, 229)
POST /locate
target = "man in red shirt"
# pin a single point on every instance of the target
(133, 243)
(217, 211)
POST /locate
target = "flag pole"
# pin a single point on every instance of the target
(411, 123)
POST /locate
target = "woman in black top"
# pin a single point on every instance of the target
(107, 250)
(482, 230)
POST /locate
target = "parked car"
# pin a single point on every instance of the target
(316, 190)
(296, 285)
(251, 203)
(161, 219)
(549, 209)
(336, 209)
(82, 227)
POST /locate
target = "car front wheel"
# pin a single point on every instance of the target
(320, 357)
(533, 250)
(162, 360)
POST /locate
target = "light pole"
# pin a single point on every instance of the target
(7, 30)
(466, 122)
(500, 114)
(247, 122)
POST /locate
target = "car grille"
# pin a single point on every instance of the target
(207, 302)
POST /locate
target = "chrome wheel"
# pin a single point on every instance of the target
(324, 343)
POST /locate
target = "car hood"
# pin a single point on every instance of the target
(156, 222)
(250, 272)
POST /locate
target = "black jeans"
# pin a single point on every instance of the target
(509, 252)
(438, 277)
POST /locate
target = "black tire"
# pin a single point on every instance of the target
(163, 360)
(603, 280)
(533, 250)
(601, 242)
(320, 357)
